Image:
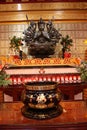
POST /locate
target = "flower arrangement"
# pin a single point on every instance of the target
(15, 43)
(66, 42)
(82, 68)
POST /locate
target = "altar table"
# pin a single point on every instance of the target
(74, 117)
(60, 74)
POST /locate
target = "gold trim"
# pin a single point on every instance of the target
(44, 87)
(41, 106)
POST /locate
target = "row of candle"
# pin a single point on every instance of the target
(59, 79)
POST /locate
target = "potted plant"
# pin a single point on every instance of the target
(82, 69)
(4, 80)
(66, 42)
(4, 77)
(15, 43)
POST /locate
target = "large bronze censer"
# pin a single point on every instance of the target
(41, 100)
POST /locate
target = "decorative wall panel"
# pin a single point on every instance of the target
(44, 6)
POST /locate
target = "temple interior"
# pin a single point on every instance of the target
(43, 43)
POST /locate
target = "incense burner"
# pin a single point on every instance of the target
(41, 100)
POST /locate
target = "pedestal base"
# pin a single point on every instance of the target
(41, 113)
